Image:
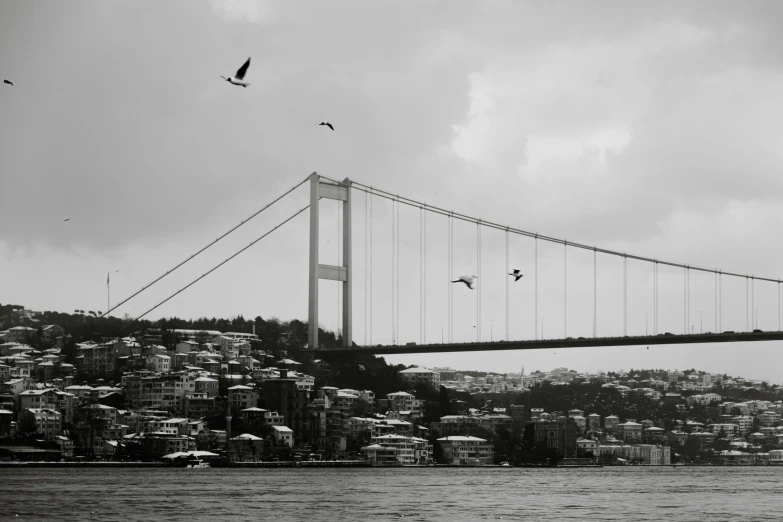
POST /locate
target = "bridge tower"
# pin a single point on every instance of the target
(340, 192)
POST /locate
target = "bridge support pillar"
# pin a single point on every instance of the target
(343, 273)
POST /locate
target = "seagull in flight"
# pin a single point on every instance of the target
(327, 124)
(517, 276)
(239, 77)
(9, 82)
(470, 281)
(67, 219)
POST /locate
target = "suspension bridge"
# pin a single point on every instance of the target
(345, 192)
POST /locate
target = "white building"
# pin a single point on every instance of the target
(284, 435)
(417, 376)
(48, 421)
(466, 450)
(403, 401)
(159, 363)
(404, 447)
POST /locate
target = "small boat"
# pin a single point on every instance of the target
(196, 463)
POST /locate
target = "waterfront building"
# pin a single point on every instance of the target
(245, 448)
(558, 434)
(466, 450)
(6, 419)
(404, 446)
(584, 446)
(651, 455)
(379, 455)
(327, 428)
(285, 396)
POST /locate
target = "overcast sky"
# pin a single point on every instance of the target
(650, 128)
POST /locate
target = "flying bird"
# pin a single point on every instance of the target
(517, 276)
(239, 77)
(68, 219)
(470, 281)
(9, 82)
(327, 124)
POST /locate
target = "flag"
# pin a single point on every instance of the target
(107, 278)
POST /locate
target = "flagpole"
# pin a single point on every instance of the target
(108, 294)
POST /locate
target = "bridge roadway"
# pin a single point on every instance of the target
(579, 342)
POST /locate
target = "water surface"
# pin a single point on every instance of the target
(418, 494)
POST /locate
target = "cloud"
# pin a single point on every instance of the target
(649, 128)
(254, 11)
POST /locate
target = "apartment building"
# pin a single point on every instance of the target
(417, 376)
(48, 421)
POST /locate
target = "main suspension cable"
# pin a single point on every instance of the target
(216, 267)
(208, 246)
(470, 219)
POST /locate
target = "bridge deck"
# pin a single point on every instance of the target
(580, 342)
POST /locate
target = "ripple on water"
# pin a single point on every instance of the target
(462, 494)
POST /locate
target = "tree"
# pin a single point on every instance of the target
(26, 424)
(88, 425)
(360, 408)
(202, 338)
(722, 443)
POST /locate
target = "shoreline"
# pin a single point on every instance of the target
(333, 464)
